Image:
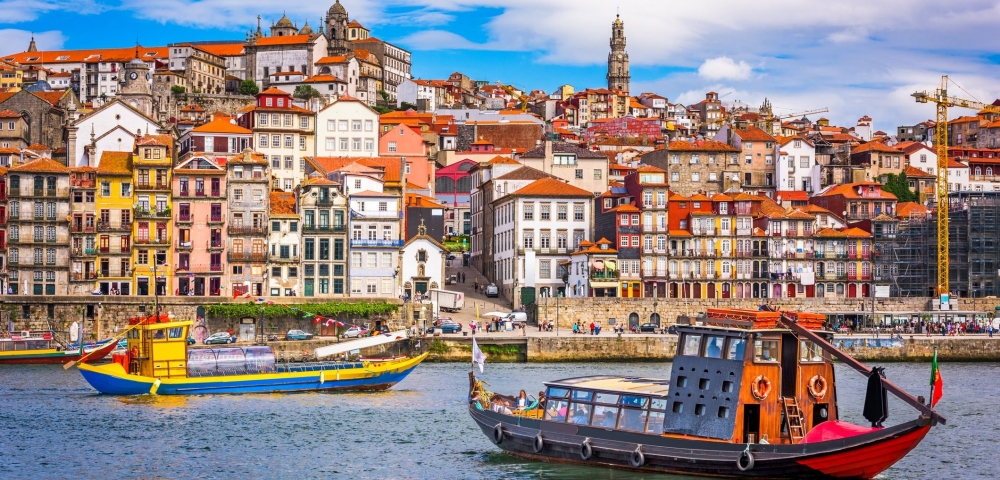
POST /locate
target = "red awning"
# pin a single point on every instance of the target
(834, 430)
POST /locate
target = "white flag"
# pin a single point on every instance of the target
(477, 355)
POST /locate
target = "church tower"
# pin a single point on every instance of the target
(134, 88)
(618, 76)
(336, 31)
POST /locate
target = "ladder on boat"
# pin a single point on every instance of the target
(793, 418)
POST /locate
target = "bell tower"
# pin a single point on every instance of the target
(618, 76)
(134, 85)
(336, 30)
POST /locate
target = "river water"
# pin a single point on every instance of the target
(53, 425)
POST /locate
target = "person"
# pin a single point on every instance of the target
(580, 416)
(522, 400)
(591, 328)
(475, 286)
(540, 324)
(576, 328)
(609, 419)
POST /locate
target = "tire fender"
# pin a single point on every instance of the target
(586, 451)
(539, 443)
(749, 462)
(637, 459)
(498, 434)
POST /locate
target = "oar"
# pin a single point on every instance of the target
(116, 339)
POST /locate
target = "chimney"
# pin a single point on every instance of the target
(548, 150)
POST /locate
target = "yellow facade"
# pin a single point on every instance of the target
(11, 77)
(113, 240)
(152, 207)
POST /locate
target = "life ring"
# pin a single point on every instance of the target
(539, 443)
(817, 386)
(760, 387)
(586, 451)
(498, 434)
(637, 459)
(749, 463)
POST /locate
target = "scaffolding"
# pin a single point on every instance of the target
(974, 249)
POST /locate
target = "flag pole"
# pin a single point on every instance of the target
(934, 374)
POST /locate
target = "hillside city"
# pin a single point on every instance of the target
(308, 161)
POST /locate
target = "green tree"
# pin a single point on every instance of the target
(249, 87)
(384, 96)
(177, 89)
(899, 186)
(306, 93)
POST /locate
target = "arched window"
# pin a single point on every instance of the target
(989, 170)
(464, 185)
(633, 320)
(654, 318)
(444, 185)
(979, 171)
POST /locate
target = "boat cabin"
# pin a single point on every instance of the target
(25, 341)
(156, 348)
(738, 377)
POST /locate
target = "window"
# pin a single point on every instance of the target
(529, 212)
(263, 141)
(545, 212)
(544, 269)
(369, 145)
(276, 141)
(342, 125)
(804, 162)
(597, 174)
(579, 174)
(564, 159)
(356, 144)
(765, 350)
(692, 344)
(529, 239)
(675, 176)
(578, 212)
(695, 177)
(392, 147)
(105, 189)
(809, 352)
(561, 213)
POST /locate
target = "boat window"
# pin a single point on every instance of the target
(604, 416)
(175, 332)
(555, 410)
(659, 404)
(691, 344)
(583, 395)
(607, 398)
(713, 346)
(765, 350)
(556, 393)
(810, 352)
(632, 419)
(579, 413)
(159, 334)
(635, 401)
(736, 346)
(655, 424)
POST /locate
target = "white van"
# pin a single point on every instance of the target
(516, 318)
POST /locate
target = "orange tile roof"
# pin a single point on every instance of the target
(753, 134)
(952, 163)
(721, 197)
(830, 233)
(91, 55)
(911, 209)
(855, 232)
(914, 172)
(676, 197)
(848, 190)
(502, 160)
(221, 125)
(319, 180)
(331, 60)
(283, 203)
(679, 233)
(286, 40)
(649, 169)
(115, 163)
(274, 91)
(252, 158)
(626, 208)
(38, 147)
(9, 114)
(422, 201)
(552, 187)
(193, 108)
(874, 147)
(41, 165)
(792, 195)
(322, 79)
(390, 166)
(223, 49)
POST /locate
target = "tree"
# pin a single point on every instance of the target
(177, 89)
(384, 95)
(249, 87)
(899, 186)
(306, 93)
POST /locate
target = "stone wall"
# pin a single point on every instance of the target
(228, 104)
(593, 309)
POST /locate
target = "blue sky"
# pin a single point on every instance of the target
(855, 58)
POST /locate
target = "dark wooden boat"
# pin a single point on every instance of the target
(751, 394)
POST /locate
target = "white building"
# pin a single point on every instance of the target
(593, 270)
(797, 168)
(283, 247)
(112, 127)
(537, 228)
(347, 128)
(423, 263)
(346, 69)
(375, 228)
(284, 134)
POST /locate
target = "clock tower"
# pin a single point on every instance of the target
(618, 76)
(134, 86)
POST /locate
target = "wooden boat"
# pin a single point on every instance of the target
(159, 362)
(751, 394)
(27, 348)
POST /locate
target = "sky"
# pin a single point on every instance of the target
(854, 58)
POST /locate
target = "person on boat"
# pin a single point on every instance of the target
(522, 400)
(609, 419)
(579, 416)
(541, 398)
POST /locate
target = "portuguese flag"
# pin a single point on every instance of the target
(937, 384)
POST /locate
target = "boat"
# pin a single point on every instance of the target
(33, 347)
(158, 361)
(752, 394)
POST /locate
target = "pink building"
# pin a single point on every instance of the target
(199, 191)
(403, 141)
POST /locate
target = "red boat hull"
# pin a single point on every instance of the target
(869, 460)
(29, 358)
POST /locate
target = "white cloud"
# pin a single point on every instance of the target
(17, 11)
(18, 40)
(724, 68)
(442, 40)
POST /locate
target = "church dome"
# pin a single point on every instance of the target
(39, 86)
(137, 61)
(284, 22)
(306, 29)
(337, 9)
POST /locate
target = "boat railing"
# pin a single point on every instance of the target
(276, 368)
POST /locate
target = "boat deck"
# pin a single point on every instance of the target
(648, 386)
(281, 368)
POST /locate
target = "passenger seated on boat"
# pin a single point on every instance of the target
(580, 414)
(556, 411)
(714, 347)
(522, 400)
(609, 419)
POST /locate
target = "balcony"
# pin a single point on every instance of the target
(285, 259)
(83, 184)
(213, 245)
(110, 227)
(163, 213)
(247, 230)
(324, 202)
(14, 192)
(82, 229)
(152, 185)
(184, 218)
(115, 273)
(377, 243)
(80, 277)
(856, 277)
(184, 245)
(213, 219)
(160, 240)
(604, 274)
(654, 273)
(202, 268)
(258, 257)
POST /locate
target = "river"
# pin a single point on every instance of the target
(53, 425)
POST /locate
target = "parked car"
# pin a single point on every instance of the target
(648, 328)
(298, 335)
(492, 291)
(446, 326)
(219, 338)
(672, 329)
(451, 256)
(190, 341)
(452, 279)
(354, 332)
(516, 318)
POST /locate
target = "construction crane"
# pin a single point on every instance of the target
(769, 118)
(514, 93)
(941, 98)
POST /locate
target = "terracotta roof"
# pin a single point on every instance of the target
(41, 165)
(9, 114)
(249, 157)
(221, 125)
(331, 60)
(370, 193)
(115, 163)
(422, 201)
(283, 203)
(626, 208)
(952, 163)
(798, 214)
(502, 160)
(160, 140)
(322, 79)
(38, 147)
(649, 169)
(317, 179)
(285, 40)
(90, 55)
(753, 134)
(562, 147)
(551, 187)
(874, 147)
(82, 169)
(524, 173)
(679, 233)
(855, 232)
(700, 145)
(721, 197)
(676, 197)
(193, 108)
(274, 91)
(911, 209)
(849, 190)
(914, 172)
(699, 197)
(830, 233)
(222, 49)
(389, 165)
(792, 195)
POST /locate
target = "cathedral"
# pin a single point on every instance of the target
(618, 76)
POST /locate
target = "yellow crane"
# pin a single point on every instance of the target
(941, 98)
(514, 93)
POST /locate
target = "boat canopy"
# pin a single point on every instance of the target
(203, 362)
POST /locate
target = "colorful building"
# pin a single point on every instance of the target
(248, 186)
(152, 163)
(83, 225)
(199, 198)
(115, 211)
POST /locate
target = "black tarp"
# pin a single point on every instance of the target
(876, 400)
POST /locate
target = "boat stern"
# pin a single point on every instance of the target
(112, 379)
